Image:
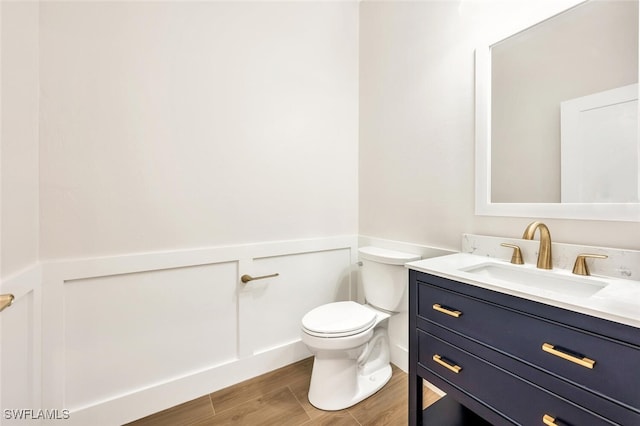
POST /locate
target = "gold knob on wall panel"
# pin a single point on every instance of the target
(246, 278)
(5, 301)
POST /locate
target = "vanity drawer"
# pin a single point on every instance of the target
(547, 345)
(515, 398)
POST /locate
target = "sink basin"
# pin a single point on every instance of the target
(529, 279)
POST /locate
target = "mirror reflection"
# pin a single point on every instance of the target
(564, 113)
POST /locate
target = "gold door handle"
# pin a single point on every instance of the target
(549, 421)
(440, 308)
(246, 278)
(5, 301)
(455, 368)
(577, 359)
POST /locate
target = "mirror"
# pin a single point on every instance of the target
(557, 117)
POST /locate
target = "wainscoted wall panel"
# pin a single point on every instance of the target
(306, 280)
(126, 336)
(18, 362)
(113, 339)
(20, 355)
(129, 331)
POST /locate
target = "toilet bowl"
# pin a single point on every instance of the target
(351, 353)
(349, 340)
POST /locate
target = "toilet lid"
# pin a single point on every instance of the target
(343, 318)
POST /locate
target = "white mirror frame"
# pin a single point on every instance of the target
(627, 212)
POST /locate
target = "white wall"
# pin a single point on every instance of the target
(20, 324)
(19, 137)
(417, 124)
(182, 130)
(171, 125)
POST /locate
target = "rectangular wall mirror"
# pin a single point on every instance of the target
(557, 117)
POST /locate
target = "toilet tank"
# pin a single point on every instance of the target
(384, 277)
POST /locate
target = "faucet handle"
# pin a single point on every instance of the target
(516, 258)
(580, 267)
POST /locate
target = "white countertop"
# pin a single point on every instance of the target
(619, 301)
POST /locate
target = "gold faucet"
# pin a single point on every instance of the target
(580, 267)
(544, 252)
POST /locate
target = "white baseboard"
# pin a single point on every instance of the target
(433, 388)
(400, 357)
(131, 406)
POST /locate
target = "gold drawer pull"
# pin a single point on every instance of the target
(584, 361)
(439, 308)
(549, 421)
(455, 368)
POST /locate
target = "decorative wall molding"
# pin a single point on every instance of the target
(21, 341)
(117, 330)
(112, 338)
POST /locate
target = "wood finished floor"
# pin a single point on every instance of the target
(279, 398)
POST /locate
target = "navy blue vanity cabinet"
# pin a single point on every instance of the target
(515, 361)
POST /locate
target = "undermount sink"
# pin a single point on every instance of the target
(538, 279)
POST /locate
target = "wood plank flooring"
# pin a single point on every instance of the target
(279, 398)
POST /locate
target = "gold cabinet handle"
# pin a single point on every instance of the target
(584, 361)
(549, 421)
(455, 368)
(439, 308)
(246, 278)
(5, 301)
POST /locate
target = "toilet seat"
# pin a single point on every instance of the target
(338, 319)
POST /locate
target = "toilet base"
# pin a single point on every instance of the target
(341, 379)
(326, 398)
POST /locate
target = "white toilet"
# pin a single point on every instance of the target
(349, 340)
